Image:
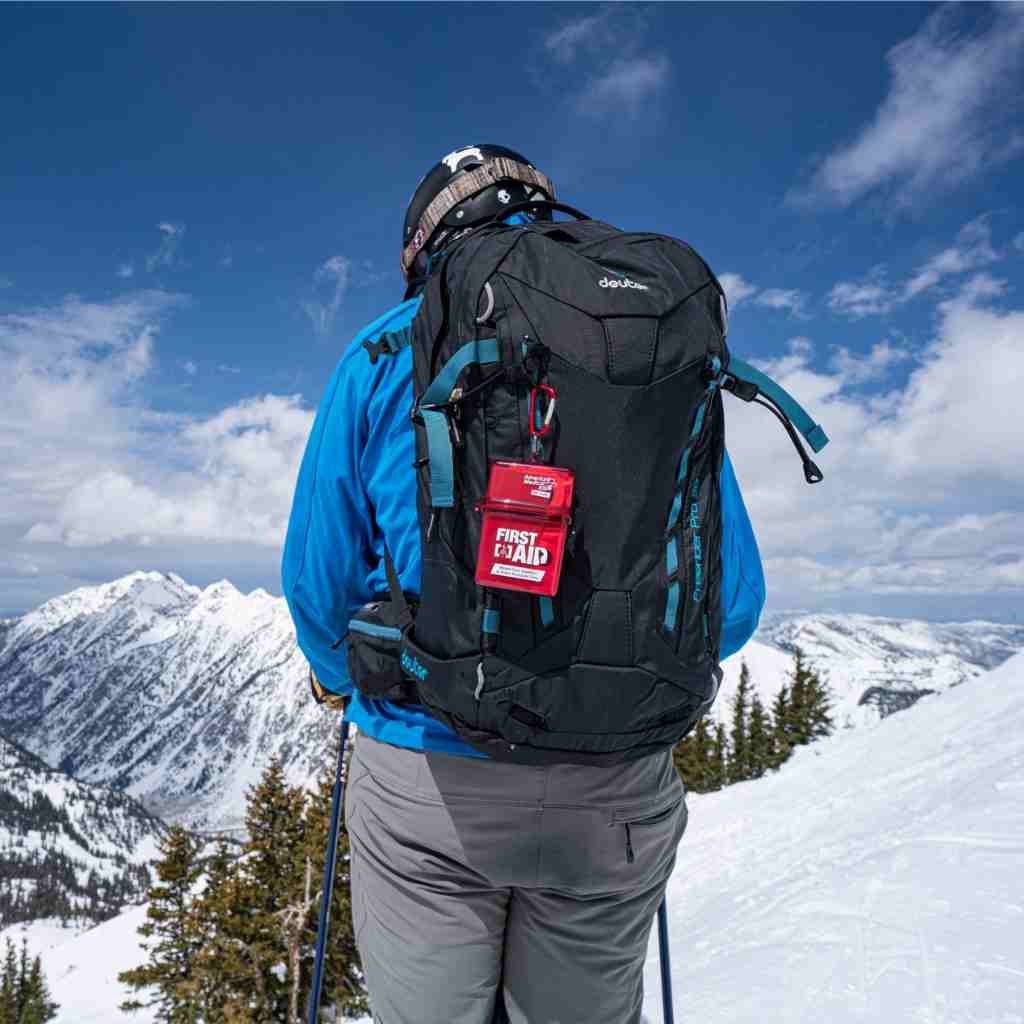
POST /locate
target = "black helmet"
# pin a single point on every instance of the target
(467, 188)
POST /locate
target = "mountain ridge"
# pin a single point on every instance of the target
(180, 695)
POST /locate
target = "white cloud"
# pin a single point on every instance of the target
(166, 255)
(1018, 242)
(88, 462)
(972, 250)
(738, 290)
(125, 270)
(735, 288)
(854, 369)
(565, 42)
(782, 298)
(949, 114)
(615, 72)
(190, 368)
(330, 282)
(626, 86)
(922, 480)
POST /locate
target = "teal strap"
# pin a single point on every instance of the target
(491, 620)
(440, 389)
(439, 442)
(439, 449)
(547, 611)
(372, 629)
(672, 606)
(397, 340)
(815, 435)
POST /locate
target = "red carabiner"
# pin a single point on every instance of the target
(545, 426)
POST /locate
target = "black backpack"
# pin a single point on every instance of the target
(629, 332)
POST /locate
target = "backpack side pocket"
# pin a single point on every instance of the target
(374, 641)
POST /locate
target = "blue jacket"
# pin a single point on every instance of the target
(357, 490)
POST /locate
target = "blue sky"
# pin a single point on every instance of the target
(201, 204)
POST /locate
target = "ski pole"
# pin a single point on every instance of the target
(666, 964)
(328, 884)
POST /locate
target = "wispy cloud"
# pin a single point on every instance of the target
(615, 69)
(626, 86)
(1018, 242)
(857, 369)
(167, 254)
(330, 282)
(874, 295)
(229, 369)
(567, 40)
(227, 260)
(950, 113)
(190, 367)
(125, 270)
(6, 282)
(738, 290)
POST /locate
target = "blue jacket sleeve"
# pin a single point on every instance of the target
(743, 589)
(328, 547)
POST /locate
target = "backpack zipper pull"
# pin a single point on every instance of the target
(479, 680)
(629, 846)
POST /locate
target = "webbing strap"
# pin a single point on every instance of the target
(485, 350)
(439, 442)
(395, 587)
(813, 432)
(397, 340)
(547, 611)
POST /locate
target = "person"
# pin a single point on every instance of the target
(481, 890)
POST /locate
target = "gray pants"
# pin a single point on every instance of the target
(474, 877)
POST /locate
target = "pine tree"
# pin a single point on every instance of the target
(9, 1009)
(797, 723)
(780, 746)
(819, 708)
(172, 944)
(736, 770)
(692, 757)
(36, 1005)
(758, 740)
(718, 768)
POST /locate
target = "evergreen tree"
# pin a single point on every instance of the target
(736, 765)
(9, 1009)
(797, 707)
(172, 944)
(718, 768)
(692, 757)
(36, 1005)
(780, 746)
(819, 708)
(758, 739)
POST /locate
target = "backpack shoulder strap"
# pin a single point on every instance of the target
(390, 343)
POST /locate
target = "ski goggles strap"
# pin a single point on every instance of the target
(499, 168)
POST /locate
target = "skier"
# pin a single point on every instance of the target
(480, 887)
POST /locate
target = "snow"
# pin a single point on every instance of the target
(879, 876)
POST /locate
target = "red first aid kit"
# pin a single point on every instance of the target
(526, 519)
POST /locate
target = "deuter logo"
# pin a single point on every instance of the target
(622, 282)
(413, 667)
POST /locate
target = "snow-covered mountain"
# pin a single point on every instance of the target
(875, 878)
(858, 654)
(177, 695)
(180, 696)
(68, 850)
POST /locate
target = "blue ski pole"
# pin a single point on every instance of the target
(328, 885)
(666, 963)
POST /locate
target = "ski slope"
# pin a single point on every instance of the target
(878, 877)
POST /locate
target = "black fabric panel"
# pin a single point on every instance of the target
(608, 634)
(631, 342)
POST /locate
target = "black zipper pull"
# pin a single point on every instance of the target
(629, 846)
